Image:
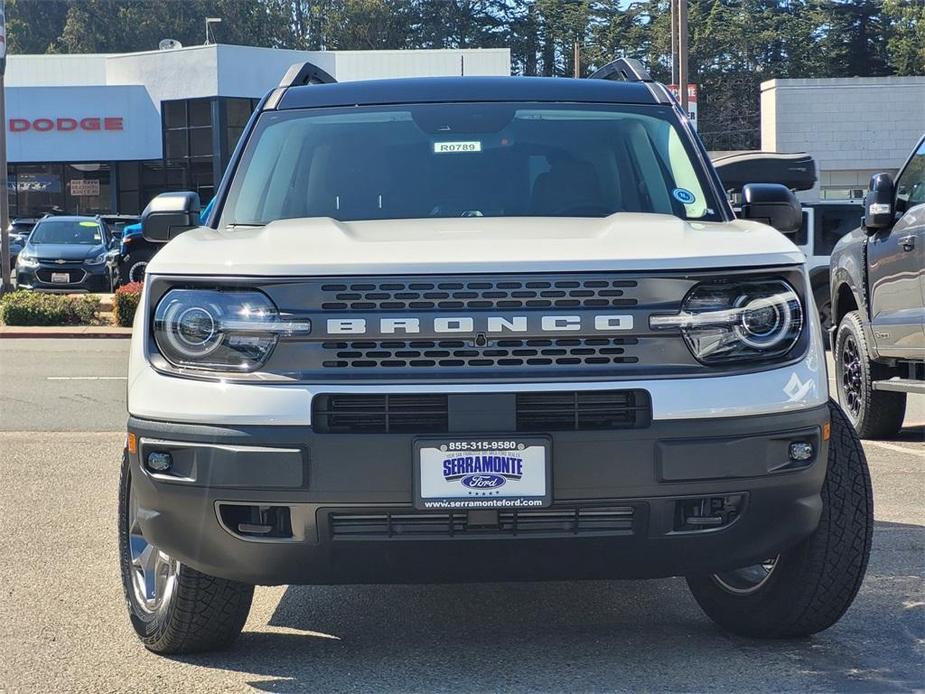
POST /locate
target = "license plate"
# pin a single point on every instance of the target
(495, 473)
(62, 277)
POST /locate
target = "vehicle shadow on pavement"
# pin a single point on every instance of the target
(579, 636)
(915, 434)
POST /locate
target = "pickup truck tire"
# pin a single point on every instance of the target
(875, 414)
(807, 588)
(191, 612)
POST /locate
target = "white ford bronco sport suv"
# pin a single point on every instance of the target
(468, 329)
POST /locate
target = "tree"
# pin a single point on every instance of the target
(34, 27)
(853, 38)
(906, 44)
(103, 26)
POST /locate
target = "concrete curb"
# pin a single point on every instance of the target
(64, 331)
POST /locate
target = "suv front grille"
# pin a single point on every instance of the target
(589, 520)
(425, 413)
(392, 295)
(583, 410)
(424, 354)
(380, 414)
(74, 276)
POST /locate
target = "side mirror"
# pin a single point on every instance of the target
(169, 215)
(772, 204)
(878, 203)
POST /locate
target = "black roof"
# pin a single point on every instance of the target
(460, 89)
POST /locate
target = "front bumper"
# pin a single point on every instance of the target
(615, 511)
(81, 277)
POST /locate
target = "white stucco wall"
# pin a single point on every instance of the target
(55, 70)
(853, 127)
(356, 65)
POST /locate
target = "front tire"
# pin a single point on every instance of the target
(173, 608)
(875, 414)
(808, 588)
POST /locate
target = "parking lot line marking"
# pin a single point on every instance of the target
(897, 448)
(86, 378)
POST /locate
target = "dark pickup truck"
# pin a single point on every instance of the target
(878, 302)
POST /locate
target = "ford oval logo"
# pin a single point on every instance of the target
(483, 480)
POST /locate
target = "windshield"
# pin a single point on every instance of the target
(68, 232)
(468, 160)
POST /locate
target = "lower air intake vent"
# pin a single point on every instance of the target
(551, 521)
(370, 414)
(583, 410)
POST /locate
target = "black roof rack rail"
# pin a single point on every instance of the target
(300, 74)
(625, 69)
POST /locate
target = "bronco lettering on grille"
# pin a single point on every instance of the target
(457, 325)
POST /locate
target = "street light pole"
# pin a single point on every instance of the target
(5, 284)
(577, 57)
(209, 22)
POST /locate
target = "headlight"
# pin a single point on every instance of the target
(737, 321)
(232, 330)
(27, 260)
(98, 260)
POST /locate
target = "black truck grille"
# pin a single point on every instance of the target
(437, 354)
(589, 520)
(583, 410)
(393, 295)
(74, 276)
(380, 414)
(424, 413)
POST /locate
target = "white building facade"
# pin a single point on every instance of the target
(106, 133)
(853, 127)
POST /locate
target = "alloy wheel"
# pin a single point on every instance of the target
(153, 573)
(852, 376)
(136, 273)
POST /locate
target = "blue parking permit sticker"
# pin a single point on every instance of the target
(683, 196)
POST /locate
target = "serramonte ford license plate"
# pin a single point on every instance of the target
(499, 473)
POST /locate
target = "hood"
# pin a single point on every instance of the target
(622, 241)
(64, 251)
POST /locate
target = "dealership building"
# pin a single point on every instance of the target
(105, 133)
(853, 127)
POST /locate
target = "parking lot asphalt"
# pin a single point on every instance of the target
(63, 625)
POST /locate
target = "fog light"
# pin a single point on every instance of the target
(159, 462)
(800, 451)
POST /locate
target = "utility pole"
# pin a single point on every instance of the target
(682, 53)
(577, 57)
(674, 41)
(5, 284)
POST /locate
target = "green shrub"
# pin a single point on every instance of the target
(125, 302)
(36, 308)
